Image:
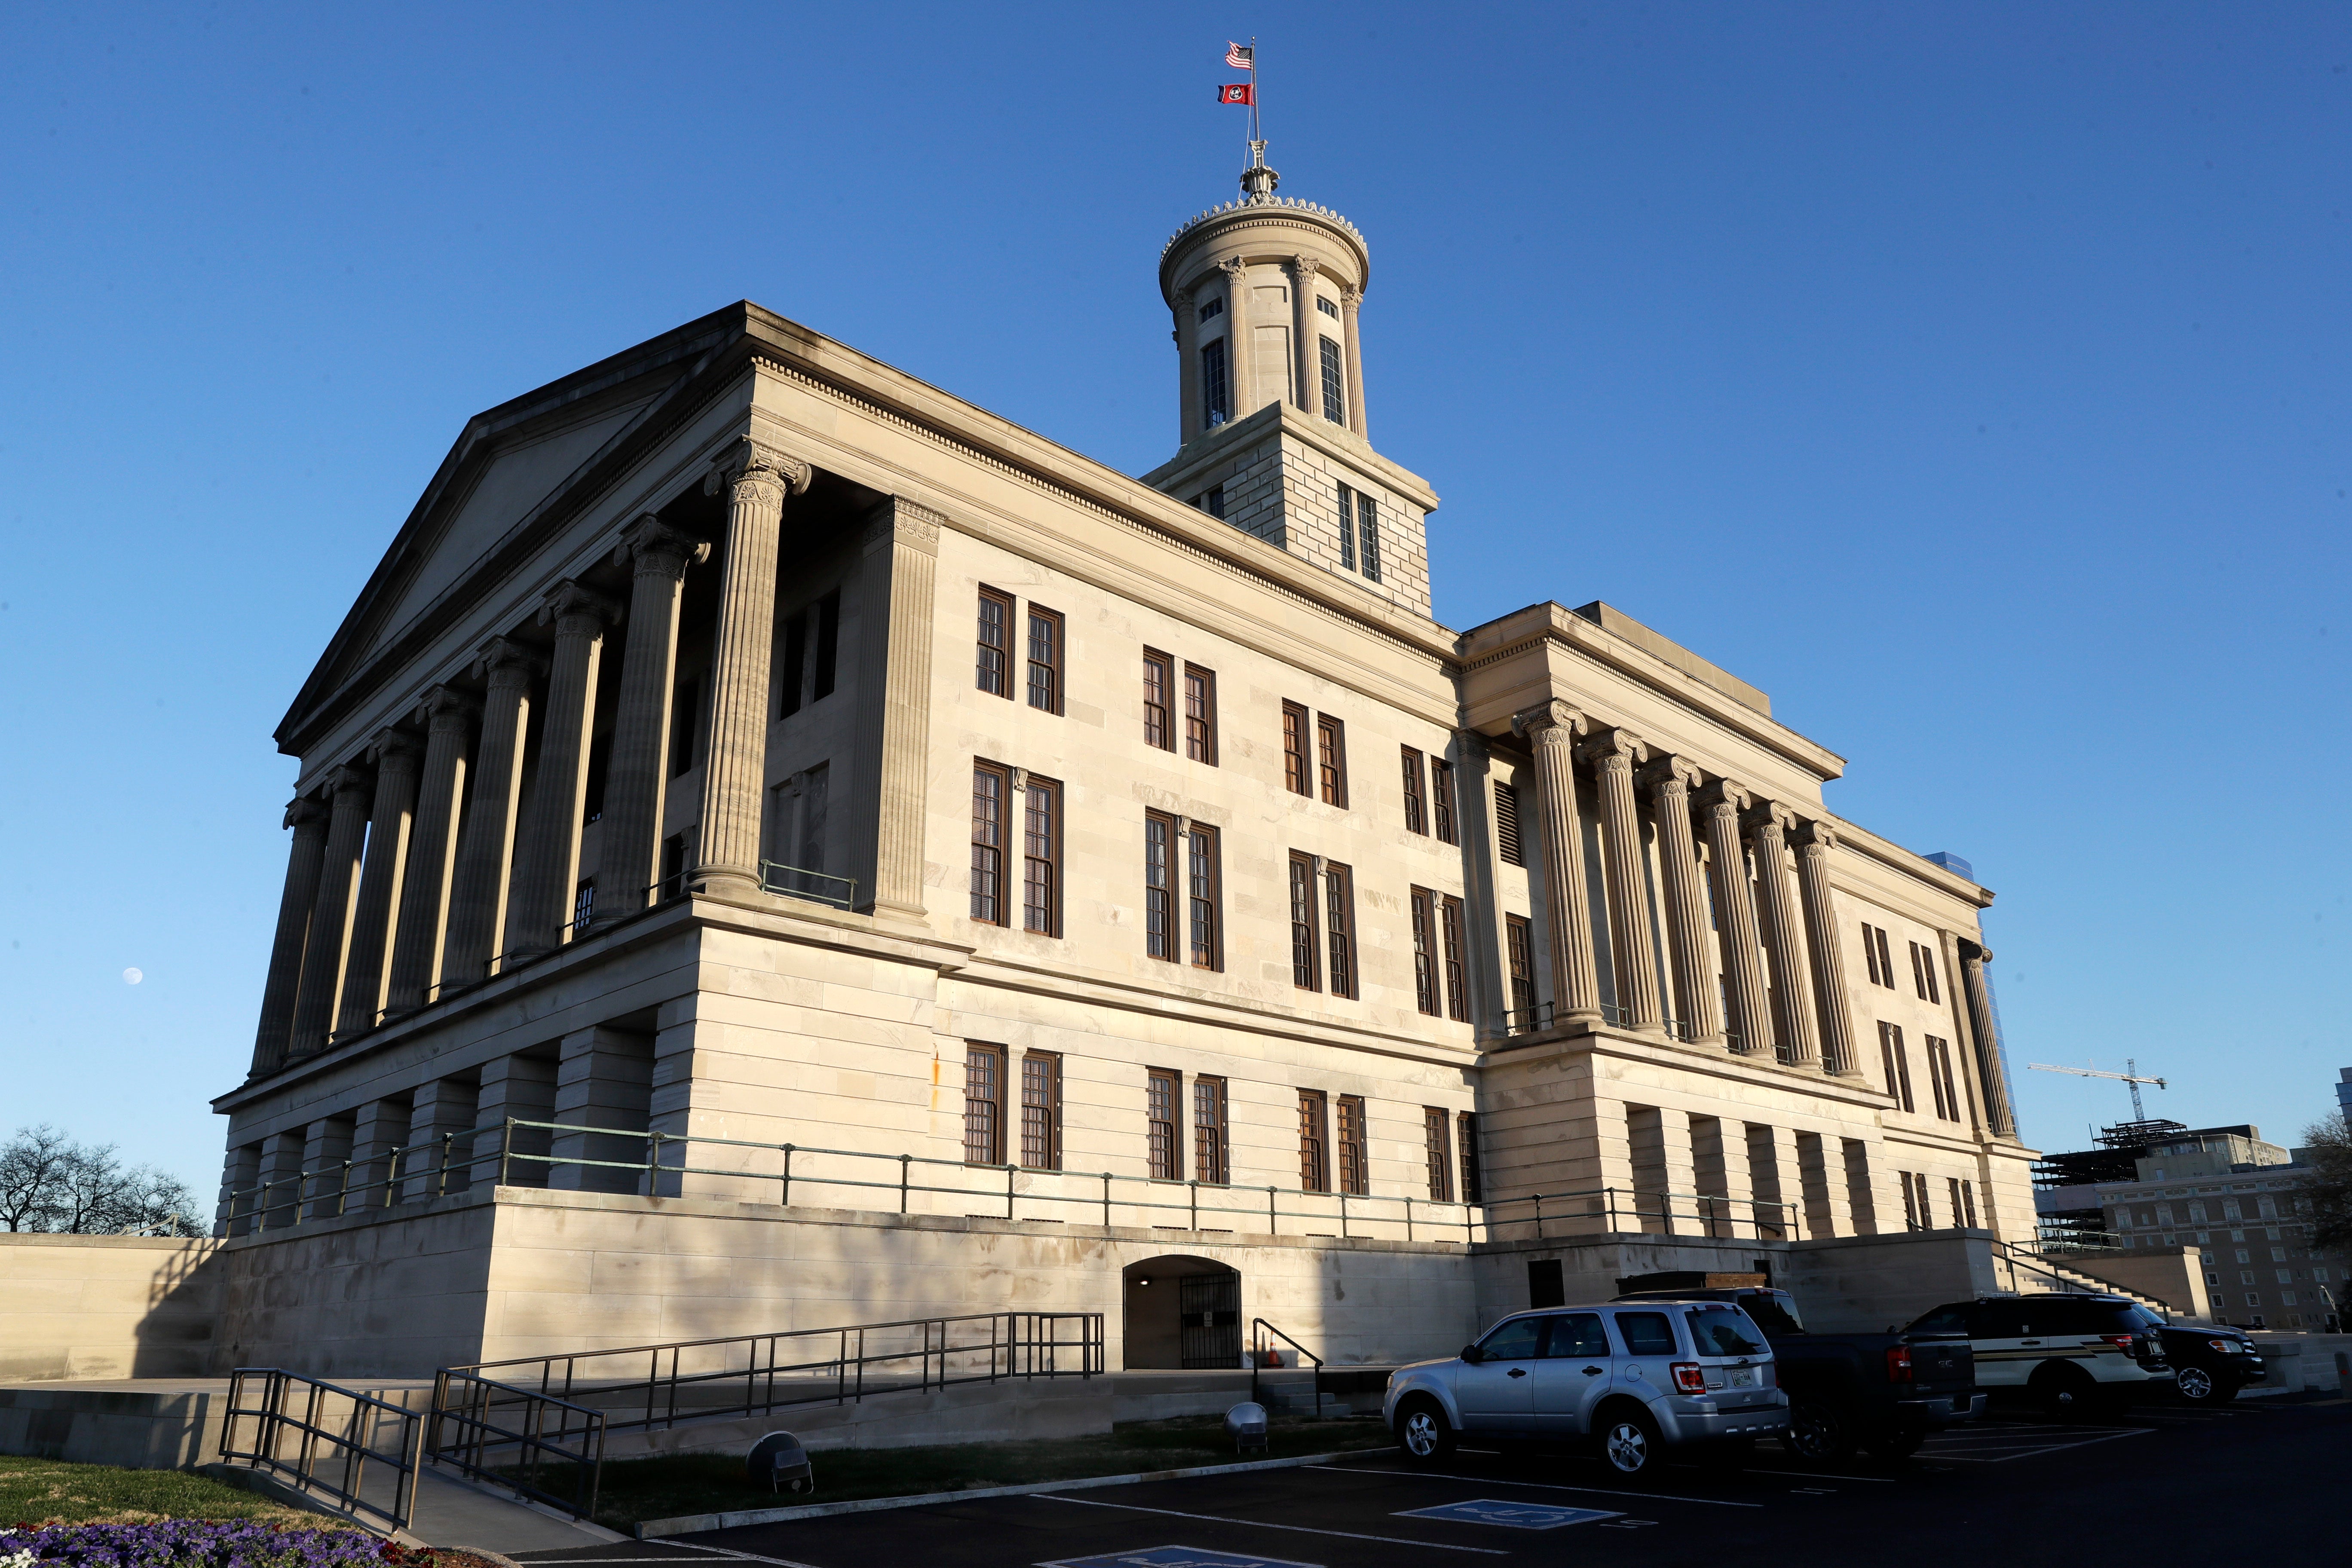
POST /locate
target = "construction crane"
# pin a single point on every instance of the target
(2131, 1075)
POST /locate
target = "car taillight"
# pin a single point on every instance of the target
(2123, 1342)
(1898, 1364)
(1689, 1377)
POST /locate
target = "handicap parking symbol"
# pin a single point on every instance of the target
(1510, 1515)
(1176, 1557)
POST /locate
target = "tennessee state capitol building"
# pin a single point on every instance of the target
(777, 844)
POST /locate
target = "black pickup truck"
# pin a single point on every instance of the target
(1883, 1393)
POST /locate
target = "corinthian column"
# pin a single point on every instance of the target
(395, 757)
(899, 569)
(550, 845)
(1306, 360)
(1670, 781)
(477, 898)
(1551, 728)
(1769, 825)
(756, 479)
(1750, 1022)
(1613, 754)
(1995, 1083)
(1237, 336)
(638, 774)
(1814, 841)
(330, 914)
(1349, 299)
(303, 862)
(432, 849)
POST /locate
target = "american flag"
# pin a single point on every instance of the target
(1241, 57)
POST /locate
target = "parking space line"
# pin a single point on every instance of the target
(1812, 1475)
(2033, 1452)
(745, 1556)
(1540, 1486)
(1263, 1524)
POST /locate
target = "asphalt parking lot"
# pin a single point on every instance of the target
(2259, 1475)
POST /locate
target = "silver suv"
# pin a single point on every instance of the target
(1639, 1379)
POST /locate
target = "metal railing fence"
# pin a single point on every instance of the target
(336, 1435)
(528, 1442)
(796, 883)
(1259, 1331)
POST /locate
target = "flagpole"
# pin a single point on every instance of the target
(1257, 126)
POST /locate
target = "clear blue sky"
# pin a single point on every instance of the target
(1972, 378)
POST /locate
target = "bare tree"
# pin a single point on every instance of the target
(49, 1183)
(2328, 1146)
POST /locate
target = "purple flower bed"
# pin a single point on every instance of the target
(206, 1544)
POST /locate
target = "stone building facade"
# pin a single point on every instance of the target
(744, 744)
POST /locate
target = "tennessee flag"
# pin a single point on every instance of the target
(1236, 93)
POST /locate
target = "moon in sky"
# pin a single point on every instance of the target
(131, 977)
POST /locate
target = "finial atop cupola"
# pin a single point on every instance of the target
(1258, 182)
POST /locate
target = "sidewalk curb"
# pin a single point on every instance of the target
(696, 1523)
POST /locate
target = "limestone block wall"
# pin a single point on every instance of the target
(107, 1306)
(361, 1295)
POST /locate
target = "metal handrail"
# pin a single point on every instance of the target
(1259, 1329)
(472, 1430)
(355, 1444)
(775, 877)
(2014, 1257)
(1527, 1020)
(1707, 1209)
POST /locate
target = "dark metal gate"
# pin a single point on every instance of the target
(1211, 1305)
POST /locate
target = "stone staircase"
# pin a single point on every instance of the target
(2034, 1273)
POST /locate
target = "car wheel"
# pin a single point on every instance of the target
(1897, 1443)
(1424, 1433)
(1817, 1434)
(1629, 1441)
(2064, 1391)
(2198, 1386)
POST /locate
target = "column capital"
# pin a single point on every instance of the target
(901, 521)
(651, 545)
(1974, 951)
(577, 610)
(352, 779)
(1350, 295)
(1233, 266)
(1667, 774)
(1624, 745)
(394, 750)
(1723, 795)
(1813, 838)
(1554, 714)
(746, 462)
(447, 708)
(302, 812)
(1768, 815)
(502, 661)
(1305, 268)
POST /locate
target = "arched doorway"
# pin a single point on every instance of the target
(1182, 1312)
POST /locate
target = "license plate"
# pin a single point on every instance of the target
(1740, 1377)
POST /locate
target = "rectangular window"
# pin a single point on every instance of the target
(989, 788)
(583, 904)
(1040, 1111)
(793, 672)
(1897, 1063)
(1297, 771)
(1340, 927)
(1968, 1204)
(1159, 692)
(1355, 1153)
(828, 646)
(1474, 1186)
(1041, 858)
(1206, 895)
(1209, 1154)
(1885, 964)
(1323, 303)
(1910, 1201)
(673, 865)
(1045, 660)
(1416, 808)
(1940, 1074)
(1457, 970)
(1163, 1094)
(1435, 1149)
(685, 722)
(1347, 528)
(1212, 309)
(1212, 501)
(1918, 981)
(1441, 800)
(1506, 826)
(1335, 406)
(1158, 895)
(1305, 949)
(1201, 714)
(1367, 531)
(995, 664)
(983, 1105)
(1314, 1148)
(1424, 955)
(1926, 962)
(1519, 939)
(1870, 953)
(1331, 759)
(1215, 405)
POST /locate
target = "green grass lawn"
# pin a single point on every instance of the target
(39, 1491)
(675, 1485)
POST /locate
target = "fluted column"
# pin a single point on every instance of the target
(331, 912)
(1551, 728)
(477, 898)
(395, 754)
(638, 774)
(1305, 361)
(1990, 1075)
(1687, 930)
(449, 718)
(303, 863)
(1776, 908)
(1613, 754)
(1720, 806)
(550, 865)
(1814, 841)
(1237, 337)
(755, 478)
(1349, 300)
